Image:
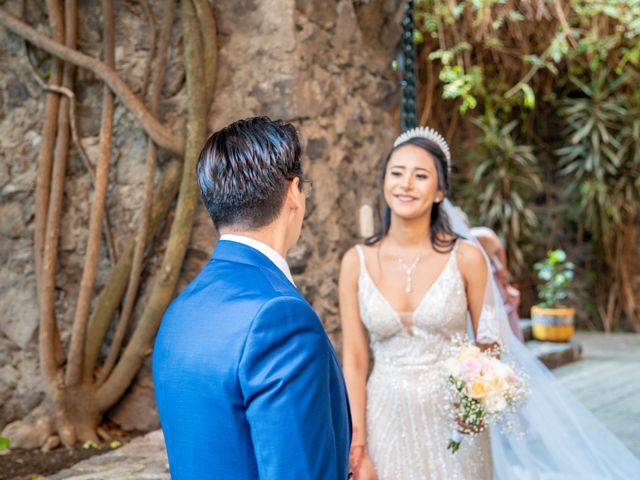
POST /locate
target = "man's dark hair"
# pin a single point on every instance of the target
(244, 170)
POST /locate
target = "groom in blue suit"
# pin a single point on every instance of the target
(247, 383)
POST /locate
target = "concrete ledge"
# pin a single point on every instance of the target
(555, 355)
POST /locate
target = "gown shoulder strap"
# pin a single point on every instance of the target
(360, 251)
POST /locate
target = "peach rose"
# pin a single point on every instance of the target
(478, 390)
(495, 381)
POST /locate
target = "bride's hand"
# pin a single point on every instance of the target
(466, 427)
(366, 470)
(492, 348)
(469, 428)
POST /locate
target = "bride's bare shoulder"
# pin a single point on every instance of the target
(350, 267)
(470, 256)
(350, 258)
(467, 247)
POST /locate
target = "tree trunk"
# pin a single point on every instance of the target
(143, 230)
(53, 384)
(141, 341)
(92, 255)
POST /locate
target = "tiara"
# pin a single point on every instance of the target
(430, 134)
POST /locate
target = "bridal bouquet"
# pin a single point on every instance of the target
(482, 390)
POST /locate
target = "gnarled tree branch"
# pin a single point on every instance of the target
(75, 134)
(50, 345)
(140, 344)
(147, 68)
(138, 256)
(209, 39)
(48, 325)
(115, 286)
(52, 379)
(92, 255)
(160, 134)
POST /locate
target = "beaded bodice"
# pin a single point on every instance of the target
(421, 338)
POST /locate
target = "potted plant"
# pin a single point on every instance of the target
(551, 319)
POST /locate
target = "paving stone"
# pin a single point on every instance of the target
(606, 381)
(144, 458)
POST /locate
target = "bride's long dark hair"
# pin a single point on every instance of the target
(442, 236)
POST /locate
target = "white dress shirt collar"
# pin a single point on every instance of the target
(263, 248)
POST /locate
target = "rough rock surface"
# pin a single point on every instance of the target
(143, 458)
(322, 64)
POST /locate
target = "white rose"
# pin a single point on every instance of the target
(494, 403)
(467, 352)
(452, 366)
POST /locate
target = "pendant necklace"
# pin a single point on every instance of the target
(409, 271)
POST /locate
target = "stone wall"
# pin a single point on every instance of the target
(322, 64)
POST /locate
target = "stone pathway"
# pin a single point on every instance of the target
(144, 458)
(607, 382)
(613, 361)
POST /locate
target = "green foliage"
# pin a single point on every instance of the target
(506, 176)
(529, 96)
(471, 410)
(460, 79)
(624, 12)
(557, 274)
(461, 84)
(600, 159)
(552, 87)
(556, 54)
(458, 83)
(4, 443)
(90, 445)
(597, 48)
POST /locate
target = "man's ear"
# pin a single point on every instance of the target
(294, 193)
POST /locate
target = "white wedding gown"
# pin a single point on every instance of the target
(557, 437)
(407, 429)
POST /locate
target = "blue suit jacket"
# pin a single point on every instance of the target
(246, 380)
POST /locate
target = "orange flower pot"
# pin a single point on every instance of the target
(552, 324)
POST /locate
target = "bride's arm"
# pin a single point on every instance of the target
(355, 353)
(475, 273)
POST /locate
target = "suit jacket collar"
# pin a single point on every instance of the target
(241, 253)
(263, 248)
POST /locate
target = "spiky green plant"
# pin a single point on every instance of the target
(594, 154)
(601, 163)
(506, 176)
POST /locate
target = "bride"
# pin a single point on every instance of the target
(403, 296)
